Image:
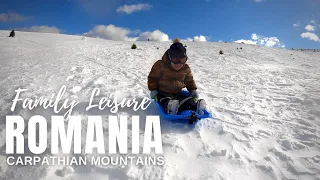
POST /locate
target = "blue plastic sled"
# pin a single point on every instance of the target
(184, 116)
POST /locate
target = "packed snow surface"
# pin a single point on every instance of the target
(265, 104)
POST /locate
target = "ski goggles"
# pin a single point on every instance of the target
(181, 60)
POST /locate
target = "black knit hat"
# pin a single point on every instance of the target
(177, 51)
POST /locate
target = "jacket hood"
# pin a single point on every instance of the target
(165, 58)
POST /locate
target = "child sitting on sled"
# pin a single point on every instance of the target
(169, 76)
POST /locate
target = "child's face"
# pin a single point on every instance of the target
(177, 63)
(177, 66)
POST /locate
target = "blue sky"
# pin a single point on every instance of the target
(274, 23)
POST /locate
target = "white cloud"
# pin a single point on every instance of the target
(110, 32)
(188, 39)
(315, 23)
(263, 41)
(133, 8)
(42, 29)
(196, 39)
(135, 32)
(309, 28)
(246, 41)
(11, 16)
(153, 36)
(271, 41)
(257, 1)
(254, 36)
(296, 24)
(310, 36)
(200, 38)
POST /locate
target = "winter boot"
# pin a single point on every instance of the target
(172, 107)
(201, 106)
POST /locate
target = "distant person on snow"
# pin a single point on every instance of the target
(12, 34)
(169, 76)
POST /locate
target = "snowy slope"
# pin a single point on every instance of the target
(265, 102)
